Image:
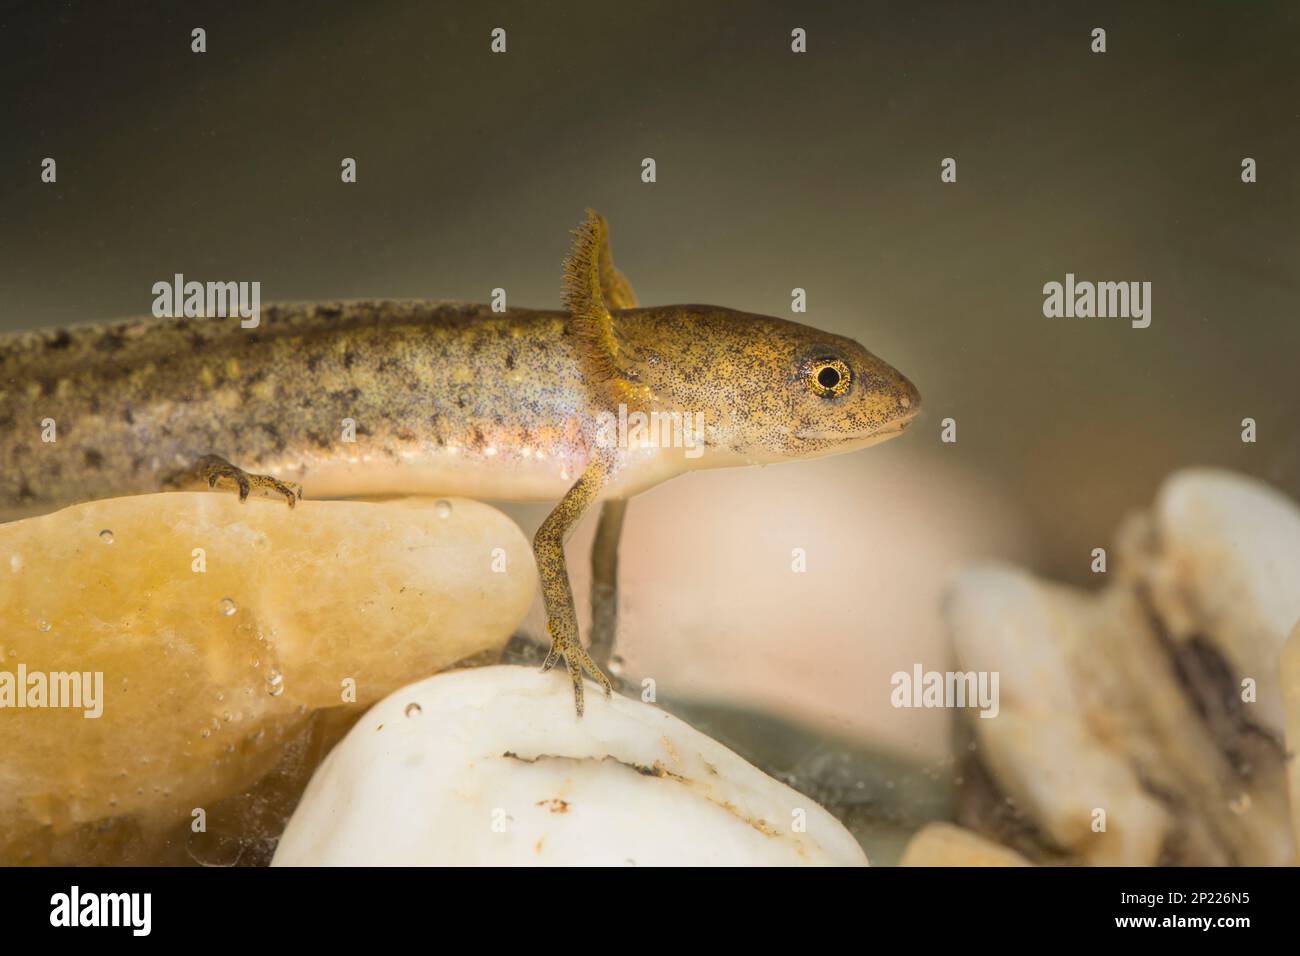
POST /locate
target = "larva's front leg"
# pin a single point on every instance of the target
(561, 616)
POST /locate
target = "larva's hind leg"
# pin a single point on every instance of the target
(216, 471)
(604, 580)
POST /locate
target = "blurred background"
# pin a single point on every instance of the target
(775, 170)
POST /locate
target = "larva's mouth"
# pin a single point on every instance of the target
(832, 441)
(897, 425)
(900, 424)
(859, 440)
(889, 431)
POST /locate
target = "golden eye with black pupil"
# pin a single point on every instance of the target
(829, 377)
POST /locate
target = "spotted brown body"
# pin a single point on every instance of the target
(352, 398)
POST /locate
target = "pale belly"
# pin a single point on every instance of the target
(506, 475)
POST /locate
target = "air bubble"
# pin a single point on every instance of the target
(227, 606)
(413, 710)
(442, 507)
(106, 536)
(275, 683)
(43, 626)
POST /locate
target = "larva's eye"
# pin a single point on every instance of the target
(829, 377)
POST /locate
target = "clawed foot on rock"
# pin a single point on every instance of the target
(577, 660)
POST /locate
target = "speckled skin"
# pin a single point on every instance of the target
(369, 398)
(750, 375)
(433, 388)
(447, 398)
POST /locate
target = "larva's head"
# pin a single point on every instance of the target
(770, 390)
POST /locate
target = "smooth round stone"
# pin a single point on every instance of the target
(492, 766)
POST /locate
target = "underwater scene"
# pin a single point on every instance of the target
(729, 435)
